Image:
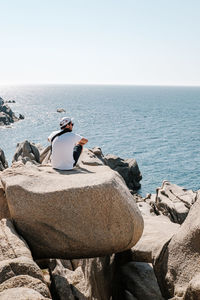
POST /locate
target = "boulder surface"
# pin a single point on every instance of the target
(4, 211)
(158, 230)
(177, 266)
(85, 212)
(18, 272)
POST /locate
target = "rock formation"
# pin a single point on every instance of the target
(20, 277)
(25, 152)
(127, 168)
(89, 214)
(85, 212)
(82, 279)
(60, 110)
(172, 201)
(7, 116)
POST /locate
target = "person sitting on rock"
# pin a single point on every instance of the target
(66, 146)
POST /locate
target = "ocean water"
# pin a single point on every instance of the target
(158, 126)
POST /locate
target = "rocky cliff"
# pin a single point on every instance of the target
(90, 212)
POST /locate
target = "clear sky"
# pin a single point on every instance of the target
(141, 42)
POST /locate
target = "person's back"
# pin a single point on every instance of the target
(66, 146)
(62, 151)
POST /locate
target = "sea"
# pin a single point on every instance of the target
(159, 126)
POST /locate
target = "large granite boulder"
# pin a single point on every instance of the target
(157, 231)
(18, 271)
(3, 161)
(127, 168)
(177, 266)
(85, 212)
(26, 152)
(1, 101)
(173, 201)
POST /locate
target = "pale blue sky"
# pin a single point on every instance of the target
(149, 42)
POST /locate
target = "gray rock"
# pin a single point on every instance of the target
(17, 268)
(8, 111)
(3, 161)
(7, 116)
(89, 158)
(127, 168)
(1, 101)
(157, 231)
(173, 201)
(25, 152)
(21, 293)
(25, 281)
(10, 101)
(21, 117)
(4, 210)
(60, 110)
(177, 265)
(5, 119)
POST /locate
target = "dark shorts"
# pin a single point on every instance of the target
(77, 153)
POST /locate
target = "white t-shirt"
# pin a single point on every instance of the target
(62, 150)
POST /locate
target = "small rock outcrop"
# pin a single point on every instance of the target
(21, 117)
(26, 152)
(176, 266)
(20, 276)
(10, 101)
(60, 110)
(172, 201)
(85, 212)
(7, 116)
(3, 161)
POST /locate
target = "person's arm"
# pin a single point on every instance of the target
(82, 142)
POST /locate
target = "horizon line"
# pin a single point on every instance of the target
(97, 84)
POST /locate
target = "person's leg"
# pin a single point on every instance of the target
(77, 152)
